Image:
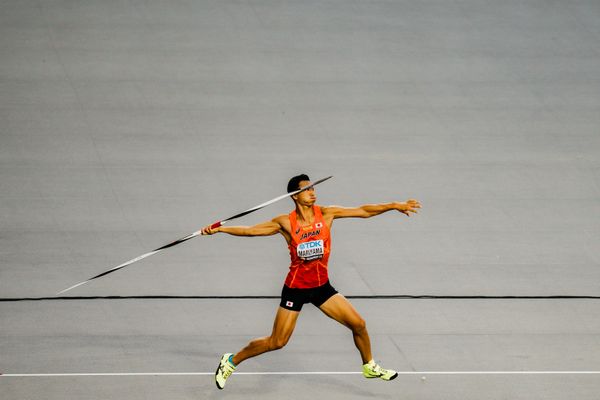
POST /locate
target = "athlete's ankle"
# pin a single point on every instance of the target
(231, 360)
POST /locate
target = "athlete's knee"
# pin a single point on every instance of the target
(358, 325)
(277, 342)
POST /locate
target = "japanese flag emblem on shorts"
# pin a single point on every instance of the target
(289, 304)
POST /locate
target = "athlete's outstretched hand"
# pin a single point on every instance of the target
(411, 205)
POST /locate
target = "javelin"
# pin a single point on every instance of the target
(192, 235)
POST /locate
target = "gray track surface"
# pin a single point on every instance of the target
(125, 125)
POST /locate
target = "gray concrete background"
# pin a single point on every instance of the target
(127, 124)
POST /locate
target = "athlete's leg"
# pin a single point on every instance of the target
(285, 322)
(340, 309)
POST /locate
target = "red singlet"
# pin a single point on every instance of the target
(309, 251)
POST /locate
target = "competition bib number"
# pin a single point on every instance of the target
(310, 250)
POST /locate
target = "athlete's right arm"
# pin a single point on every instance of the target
(263, 229)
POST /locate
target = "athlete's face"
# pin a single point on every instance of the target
(306, 197)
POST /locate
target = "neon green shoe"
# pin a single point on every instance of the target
(224, 369)
(373, 370)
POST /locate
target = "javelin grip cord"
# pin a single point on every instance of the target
(216, 225)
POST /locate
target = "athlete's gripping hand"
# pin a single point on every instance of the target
(207, 230)
(411, 205)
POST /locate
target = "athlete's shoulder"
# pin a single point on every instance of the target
(285, 227)
(328, 209)
(282, 219)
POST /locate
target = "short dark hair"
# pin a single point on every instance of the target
(294, 183)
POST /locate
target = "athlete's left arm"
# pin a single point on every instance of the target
(371, 210)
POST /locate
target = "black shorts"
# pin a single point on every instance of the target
(294, 299)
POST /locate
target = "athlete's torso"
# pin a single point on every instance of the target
(309, 247)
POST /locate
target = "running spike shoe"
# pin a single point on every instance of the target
(224, 369)
(373, 370)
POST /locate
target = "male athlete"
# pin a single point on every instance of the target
(307, 232)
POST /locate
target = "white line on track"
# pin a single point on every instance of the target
(424, 373)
